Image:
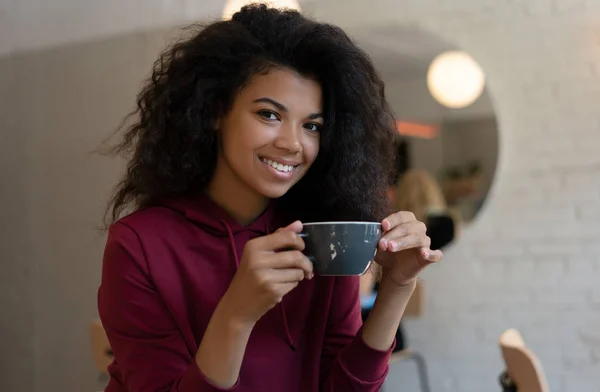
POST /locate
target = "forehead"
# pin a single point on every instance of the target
(295, 91)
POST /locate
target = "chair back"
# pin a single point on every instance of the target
(522, 365)
(101, 351)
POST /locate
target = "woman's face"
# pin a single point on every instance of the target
(270, 137)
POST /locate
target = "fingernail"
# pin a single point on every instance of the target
(385, 224)
(426, 254)
(393, 246)
(383, 244)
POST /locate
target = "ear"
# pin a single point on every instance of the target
(217, 124)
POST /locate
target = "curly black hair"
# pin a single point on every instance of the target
(173, 142)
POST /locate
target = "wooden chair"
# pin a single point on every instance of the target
(414, 309)
(101, 351)
(524, 372)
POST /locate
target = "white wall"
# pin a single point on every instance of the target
(56, 108)
(531, 261)
(27, 25)
(16, 265)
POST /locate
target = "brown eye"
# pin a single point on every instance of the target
(312, 127)
(268, 115)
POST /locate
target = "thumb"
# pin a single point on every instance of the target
(295, 226)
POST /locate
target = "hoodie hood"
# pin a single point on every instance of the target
(211, 217)
(204, 212)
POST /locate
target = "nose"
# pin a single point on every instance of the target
(289, 139)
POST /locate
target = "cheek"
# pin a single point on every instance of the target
(240, 139)
(230, 145)
(311, 149)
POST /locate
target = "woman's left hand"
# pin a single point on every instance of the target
(403, 250)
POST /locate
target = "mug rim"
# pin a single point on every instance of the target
(341, 223)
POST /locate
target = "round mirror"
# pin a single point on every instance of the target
(447, 133)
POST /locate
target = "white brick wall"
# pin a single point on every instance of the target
(531, 260)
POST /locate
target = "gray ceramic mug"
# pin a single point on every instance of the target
(341, 248)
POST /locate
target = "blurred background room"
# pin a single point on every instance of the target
(497, 102)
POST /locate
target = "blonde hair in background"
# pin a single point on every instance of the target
(419, 192)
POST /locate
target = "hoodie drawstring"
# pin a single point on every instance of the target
(237, 265)
(284, 316)
(285, 325)
(232, 243)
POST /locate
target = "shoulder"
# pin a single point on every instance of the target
(135, 241)
(143, 231)
(441, 230)
(442, 223)
(147, 224)
(150, 218)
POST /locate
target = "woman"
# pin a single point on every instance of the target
(244, 131)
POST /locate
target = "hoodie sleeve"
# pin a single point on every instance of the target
(150, 353)
(348, 363)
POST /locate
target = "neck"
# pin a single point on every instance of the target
(231, 194)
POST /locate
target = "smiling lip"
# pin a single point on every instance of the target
(280, 168)
(283, 161)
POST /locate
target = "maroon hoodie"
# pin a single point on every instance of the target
(166, 268)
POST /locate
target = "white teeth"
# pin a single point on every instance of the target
(278, 166)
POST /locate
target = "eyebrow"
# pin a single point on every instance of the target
(283, 108)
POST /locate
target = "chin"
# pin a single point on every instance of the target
(275, 194)
(274, 191)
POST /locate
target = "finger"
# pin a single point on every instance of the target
(432, 255)
(295, 226)
(291, 259)
(396, 219)
(284, 238)
(287, 275)
(400, 231)
(284, 288)
(410, 241)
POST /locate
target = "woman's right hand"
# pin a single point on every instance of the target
(271, 267)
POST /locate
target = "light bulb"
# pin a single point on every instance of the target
(455, 79)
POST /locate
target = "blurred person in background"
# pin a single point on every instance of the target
(420, 193)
